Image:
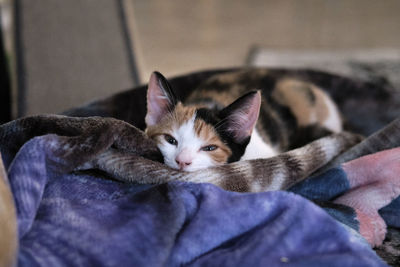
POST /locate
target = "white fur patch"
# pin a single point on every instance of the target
(257, 148)
(333, 122)
(276, 183)
(188, 143)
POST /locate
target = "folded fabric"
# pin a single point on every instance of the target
(82, 219)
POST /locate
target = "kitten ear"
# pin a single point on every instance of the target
(241, 116)
(160, 99)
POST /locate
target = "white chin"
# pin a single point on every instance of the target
(189, 169)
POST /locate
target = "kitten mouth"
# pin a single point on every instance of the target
(184, 169)
(175, 167)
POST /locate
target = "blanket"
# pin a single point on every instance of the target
(93, 190)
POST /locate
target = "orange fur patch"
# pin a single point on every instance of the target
(296, 95)
(177, 117)
(207, 133)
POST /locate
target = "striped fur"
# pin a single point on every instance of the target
(127, 154)
(276, 173)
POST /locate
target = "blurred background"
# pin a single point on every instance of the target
(57, 54)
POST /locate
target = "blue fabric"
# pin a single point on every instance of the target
(82, 219)
(323, 187)
(391, 213)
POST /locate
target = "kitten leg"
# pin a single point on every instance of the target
(375, 181)
(276, 173)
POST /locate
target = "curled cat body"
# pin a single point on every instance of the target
(223, 125)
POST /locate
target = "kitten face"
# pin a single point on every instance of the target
(192, 137)
(187, 142)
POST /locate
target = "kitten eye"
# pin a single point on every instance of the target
(170, 139)
(209, 148)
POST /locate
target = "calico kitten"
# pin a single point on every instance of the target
(215, 127)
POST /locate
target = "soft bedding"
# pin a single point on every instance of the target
(93, 191)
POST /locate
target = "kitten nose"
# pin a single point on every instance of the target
(184, 159)
(183, 164)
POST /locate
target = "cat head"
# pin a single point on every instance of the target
(192, 137)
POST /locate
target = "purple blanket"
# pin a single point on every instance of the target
(86, 220)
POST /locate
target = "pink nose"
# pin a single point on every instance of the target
(183, 163)
(184, 159)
